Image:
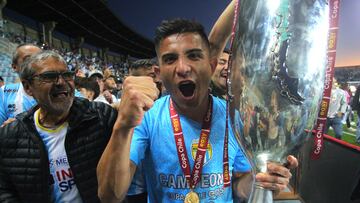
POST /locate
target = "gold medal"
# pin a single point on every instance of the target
(192, 197)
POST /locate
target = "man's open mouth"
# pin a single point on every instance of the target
(60, 94)
(187, 88)
(223, 74)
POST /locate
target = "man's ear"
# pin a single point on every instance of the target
(213, 64)
(27, 87)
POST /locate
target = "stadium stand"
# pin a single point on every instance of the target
(86, 33)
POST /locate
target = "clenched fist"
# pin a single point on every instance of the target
(138, 96)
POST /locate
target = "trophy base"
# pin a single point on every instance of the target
(261, 195)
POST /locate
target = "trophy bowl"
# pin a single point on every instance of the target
(277, 78)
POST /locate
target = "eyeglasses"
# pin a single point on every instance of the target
(52, 76)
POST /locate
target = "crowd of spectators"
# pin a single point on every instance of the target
(349, 74)
(76, 61)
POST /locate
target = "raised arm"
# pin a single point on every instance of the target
(115, 169)
(221, 31)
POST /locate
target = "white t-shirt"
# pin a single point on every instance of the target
(337, 102)
(62, 184)
(101, 98)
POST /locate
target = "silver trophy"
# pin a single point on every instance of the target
(277, 78)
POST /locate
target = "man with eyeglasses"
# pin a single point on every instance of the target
(50, 153)
(13, 99)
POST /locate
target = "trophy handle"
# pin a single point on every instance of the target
(260, 195)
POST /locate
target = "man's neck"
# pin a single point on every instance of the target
(195, 113)
(217, 91)
(50, 120)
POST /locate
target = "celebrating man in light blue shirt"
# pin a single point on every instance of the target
(180, 138)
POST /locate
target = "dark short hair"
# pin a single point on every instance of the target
(89, 84)
(228, 51)
(142, 63)
(179, 26)
(1, 79)
(155, 61)
(96, 76)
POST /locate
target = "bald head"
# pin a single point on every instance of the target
(21, 53)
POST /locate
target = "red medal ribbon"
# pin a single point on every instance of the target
(334, 6)
(195, 176)
(226, 169)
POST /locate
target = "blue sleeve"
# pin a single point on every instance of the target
(78, 94)
(3, 116)
(241, 164)
(140, 141)
(138, 183)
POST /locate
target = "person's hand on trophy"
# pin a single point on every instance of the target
(277, 176)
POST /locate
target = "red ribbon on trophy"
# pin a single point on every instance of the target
(334, 6)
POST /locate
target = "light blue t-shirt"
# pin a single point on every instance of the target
(14, 100)
(153, 142)
(138, 184)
